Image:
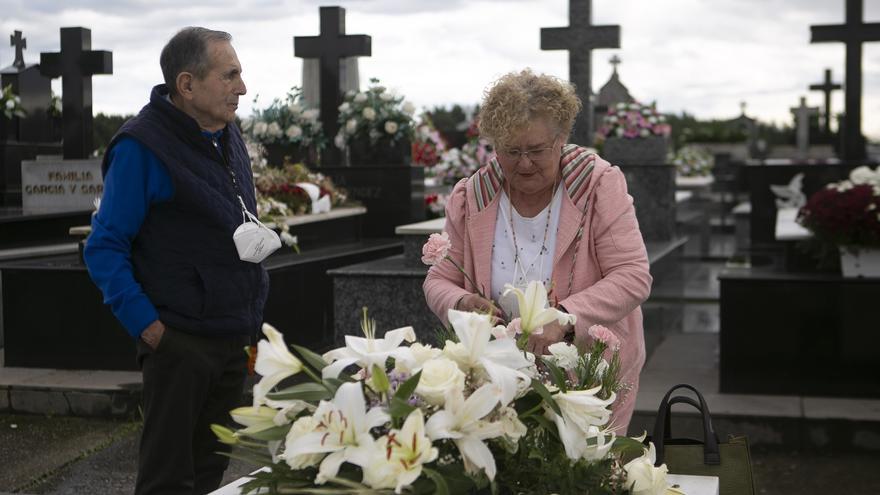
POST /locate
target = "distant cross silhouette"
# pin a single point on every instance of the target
(76, 63)
(853, 33)
(330, 46)
(742, 108)
(826, 87)
(580, 38)
(20, 44)
(615, 61)
(802, 114)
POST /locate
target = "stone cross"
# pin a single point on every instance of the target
(76, 64)
(580, 38)
(20, 44)
(802, 116)
(742, 107)
(331, 46)
(852, 33)
(615, 61)
(827, 87)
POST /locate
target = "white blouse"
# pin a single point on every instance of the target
(534, 262)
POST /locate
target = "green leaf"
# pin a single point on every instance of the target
(628, 447)
(406, 390)
(557, 374)
(439, 482)
(539, 387)
(314, 360)
(269, 434)
(304, 391)
(548, 426)
(399, 409)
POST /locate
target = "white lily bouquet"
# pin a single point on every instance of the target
(389, 414)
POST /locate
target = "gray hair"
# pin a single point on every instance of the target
(187, 51)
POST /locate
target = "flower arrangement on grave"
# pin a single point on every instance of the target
(427, 145)
(692, 161)
(11, 103)
(286, 125)
(283, 187)
(459, 163)
(392, 415)
(374, 118)
(631, 121)
(846, 213)
(435, 204)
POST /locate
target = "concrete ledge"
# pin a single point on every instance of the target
(106, 394)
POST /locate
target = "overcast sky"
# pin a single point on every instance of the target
(699, 56)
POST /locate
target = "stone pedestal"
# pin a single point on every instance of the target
(653, 190)
(635, 151)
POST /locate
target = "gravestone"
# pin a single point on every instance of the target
(349, 79)
(580, 38)
(802, 116)
(330, 47)
(852, 33)
(75, 64)
(23, 138)
(826, 87)
(55, 186)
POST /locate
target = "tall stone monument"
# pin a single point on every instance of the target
(802, 115)
(329, 48)
(852, 33)
(23, 138)
(580, 38)
(70, 184)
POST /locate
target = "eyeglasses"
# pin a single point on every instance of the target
(537, 155)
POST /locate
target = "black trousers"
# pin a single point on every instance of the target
(190, 382)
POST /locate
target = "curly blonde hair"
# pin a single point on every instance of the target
(515, 100)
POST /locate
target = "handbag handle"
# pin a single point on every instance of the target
(662, 430)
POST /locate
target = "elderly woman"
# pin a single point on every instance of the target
(550, 211)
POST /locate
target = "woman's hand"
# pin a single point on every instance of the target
(553, 333)
(477, 304)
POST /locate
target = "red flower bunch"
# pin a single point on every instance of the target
(844, 214)
(427, 145)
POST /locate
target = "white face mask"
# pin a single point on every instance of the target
(253, 240)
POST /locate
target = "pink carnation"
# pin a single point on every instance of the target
(598, 332)
(435, 250)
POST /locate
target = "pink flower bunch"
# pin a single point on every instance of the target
(633, 120)
(602, 334)
(436, 249)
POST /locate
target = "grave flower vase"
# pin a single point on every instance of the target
(859, 262)
(384, 152)
(635, 151)
(279, 154)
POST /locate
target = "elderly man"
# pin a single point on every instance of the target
(177, 179)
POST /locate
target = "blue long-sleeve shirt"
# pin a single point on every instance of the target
(136, 179)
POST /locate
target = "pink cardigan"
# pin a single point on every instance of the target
(610, 276)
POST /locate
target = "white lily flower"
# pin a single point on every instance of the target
(367, 351)
(500, 359)
(533, 307)
(461, 420)
(582, 416)
(399, 456)
(274, 363)
(342, 429)
(642, 478)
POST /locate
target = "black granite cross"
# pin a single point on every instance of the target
(76, 64)
(20, 44)
(853, 33)
(580, 38)
(331, 46)
(827, 87)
